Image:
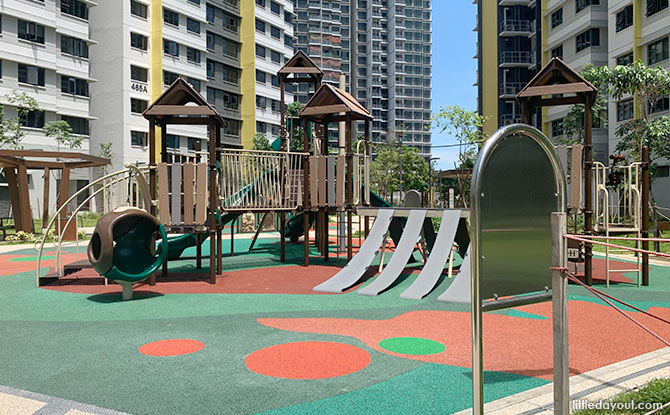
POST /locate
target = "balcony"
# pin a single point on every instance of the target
(510, 27)
(516, 58)
(507, 119)
(514, 3)
(510, 89)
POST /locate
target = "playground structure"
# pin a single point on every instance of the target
(620, 193)
(195, 195)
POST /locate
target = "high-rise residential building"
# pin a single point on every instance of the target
(385, 49)
(227, 49)
(509, 55)
(45, 55)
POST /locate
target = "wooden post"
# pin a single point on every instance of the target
(305, 197)
(588, 187)
(282, 112)
(14, 197)
(212, 202)
(349, 187)
(645, 214)
(559, 288)
(198, 250)
(45, 198)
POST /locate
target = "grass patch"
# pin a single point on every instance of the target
(656, 391)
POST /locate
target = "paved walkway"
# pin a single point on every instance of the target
(599, 384)
(20, 402)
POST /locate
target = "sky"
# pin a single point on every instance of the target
(454, 69)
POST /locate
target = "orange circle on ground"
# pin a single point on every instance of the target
(308, 360)
(171, 347)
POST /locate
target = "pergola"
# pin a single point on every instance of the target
(558, 84)
(182, 104)
(328, 105)
(16, 164)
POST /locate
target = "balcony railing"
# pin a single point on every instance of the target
(507, 119)
(515, 56)
(511, 88)
(516, 26)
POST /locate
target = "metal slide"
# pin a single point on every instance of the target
(430, 274)
(460, 289)
(354, 270)
(400, 257)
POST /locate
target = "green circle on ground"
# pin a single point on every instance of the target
(30, 258)
(411, 345)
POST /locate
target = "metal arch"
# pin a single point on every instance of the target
(475, 247)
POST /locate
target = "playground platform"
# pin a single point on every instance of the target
(261, 341)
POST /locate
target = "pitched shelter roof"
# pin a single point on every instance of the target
(556, 78)
(38, 159)
(173, 104)
(300, 63)
(329, 101)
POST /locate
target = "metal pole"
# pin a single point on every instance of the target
(477, 342)
(645, 214)
(588, 188)
(559, 288)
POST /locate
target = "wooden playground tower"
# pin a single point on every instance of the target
(557, 84)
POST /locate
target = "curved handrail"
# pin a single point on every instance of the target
(68, 201)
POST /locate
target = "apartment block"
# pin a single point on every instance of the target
(45, 55)
(385, 49)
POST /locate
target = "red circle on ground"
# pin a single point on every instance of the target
(171, 347)
(308, 360)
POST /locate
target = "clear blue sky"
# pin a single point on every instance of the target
(454, 69)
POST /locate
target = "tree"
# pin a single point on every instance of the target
(11, 132)
(385, 174)
(294, 127)
(61, 132)
(106, 152)
(261, 142)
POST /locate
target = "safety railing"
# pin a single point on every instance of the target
(251, 179)
(122, 188)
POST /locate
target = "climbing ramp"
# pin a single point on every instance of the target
(439, 255)
(400, 257)
(354, 270)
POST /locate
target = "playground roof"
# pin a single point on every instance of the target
(38, 159)
(300, 63)
(326, 104)
(171, 107)
(557, 78)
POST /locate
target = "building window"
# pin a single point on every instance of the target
(172, 141)
(275, 105)
(587, 39)
(32, 119)
(138, 41)
(170, 17)
(260, 77)
(78, 125)
(231, 23)
(192, 26)
(260, 51)
(624, 18)
(29, 74)
(655, 6)
(557, 52)
(275, 32)
(625, 59)
(194, 2)
(138, 9)
(557, 18)
(557, 128)
(171, 48)
(74, 8)
(75, 86)
(31, 31)
(169, 78)
(661, 105)
(195, 83)
(139, 74)
(582, 4)
(210, 13)
(275, 56)
(260, 26)
(193, 144)
(137, 106)
(624, 110)
(231, 128)
(261, 102)
(261, 127)
(73, 46)
(139, 138)
(657, 51)
(192, 55)
(275, 81)
(211, 41)
(275, 8)
(260, 3)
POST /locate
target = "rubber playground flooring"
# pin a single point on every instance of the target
(259, 341)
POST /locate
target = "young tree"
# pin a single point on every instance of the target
(261, 142)
(294, 128)
(385, 171)
(61, 132)
(11, 132)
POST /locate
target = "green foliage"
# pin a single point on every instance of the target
(106, 150)
(464, 125)
(261, 142)
(11, 133)
(655, 392)
(385, 170)
(21, 236)
(294, 127)
(61, 132)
